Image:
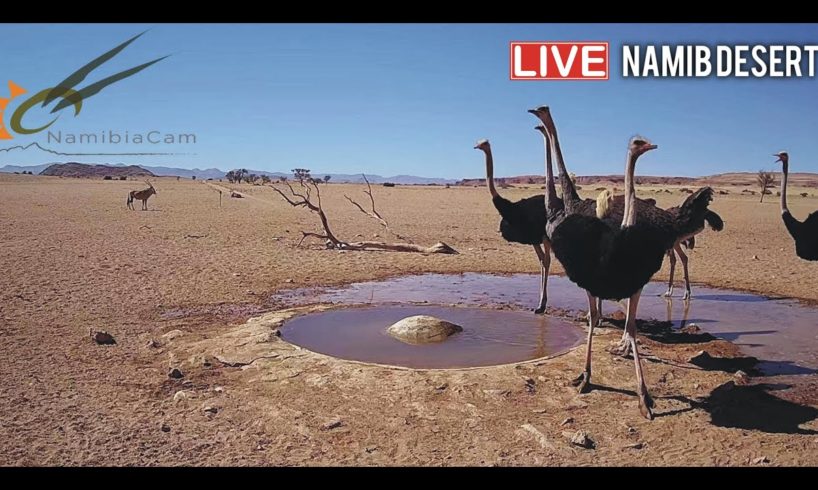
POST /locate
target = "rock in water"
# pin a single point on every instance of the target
(423, 329)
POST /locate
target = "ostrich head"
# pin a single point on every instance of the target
(483, 145)
(541, 128)
(543, 113)
(639, 145)
(783, 157)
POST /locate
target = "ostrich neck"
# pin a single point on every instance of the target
(569, 193)
(490, 173)
(629, 216)
(785, 170)
(550, 187)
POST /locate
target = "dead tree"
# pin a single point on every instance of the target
(765, 181)
(304, 198)
(374, 214)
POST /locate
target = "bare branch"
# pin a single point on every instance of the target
(290, 201)
(305, 199)
(305, 234)
(437, 248)
(372, 200)
(374, 214)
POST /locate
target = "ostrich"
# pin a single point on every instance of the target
(688, 241)
(716, 224)
(522, 222)
(805, 233)
(612, 210)
(614, 261)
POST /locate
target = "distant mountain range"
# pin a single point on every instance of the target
(215, 173)
(82, 170)
(74, 169)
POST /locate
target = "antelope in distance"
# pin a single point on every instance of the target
(142, 195)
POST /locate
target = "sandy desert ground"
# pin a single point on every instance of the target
(75, 259)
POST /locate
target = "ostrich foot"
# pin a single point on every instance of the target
(623, 349)
(668, 293)
(582, 382)
(540, 310)
(686, 297)
(646, 404)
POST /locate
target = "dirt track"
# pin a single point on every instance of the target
(76, 259)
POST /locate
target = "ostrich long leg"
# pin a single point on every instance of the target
(583, 381)
(599, 311)
(623, 348)
(672, 257)
(684, 314)
(645, 401)
(545, 264)
(683, 258)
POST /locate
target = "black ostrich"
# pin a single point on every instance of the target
(613, 261)
(805, 233)
(522, 222)
(612, 208)
(715, 223)
(687, 239)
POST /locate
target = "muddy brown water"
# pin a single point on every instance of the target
(489, 337)
(782, 333)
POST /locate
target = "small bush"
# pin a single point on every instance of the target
(804, 194)
(388, 184)
(107, 177)
(123, 177)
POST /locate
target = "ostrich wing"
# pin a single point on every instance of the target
(805, 234)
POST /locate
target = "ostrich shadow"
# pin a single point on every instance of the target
(663, 332)
(733, 336)
(706, 362)
(738, 298)
(753, 407)
(783, 368)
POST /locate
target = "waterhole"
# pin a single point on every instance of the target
(489, 337)
(781, 332)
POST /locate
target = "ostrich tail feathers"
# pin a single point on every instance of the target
(694, 210)
(714, 220)
(603, 204)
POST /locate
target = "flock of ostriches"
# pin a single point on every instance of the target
(612, 246)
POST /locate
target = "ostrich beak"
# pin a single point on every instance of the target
(777, 159)
(533, 111)
(651, 147)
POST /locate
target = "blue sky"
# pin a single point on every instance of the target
(408, 99)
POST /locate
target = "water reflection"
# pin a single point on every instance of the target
(776, 330)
